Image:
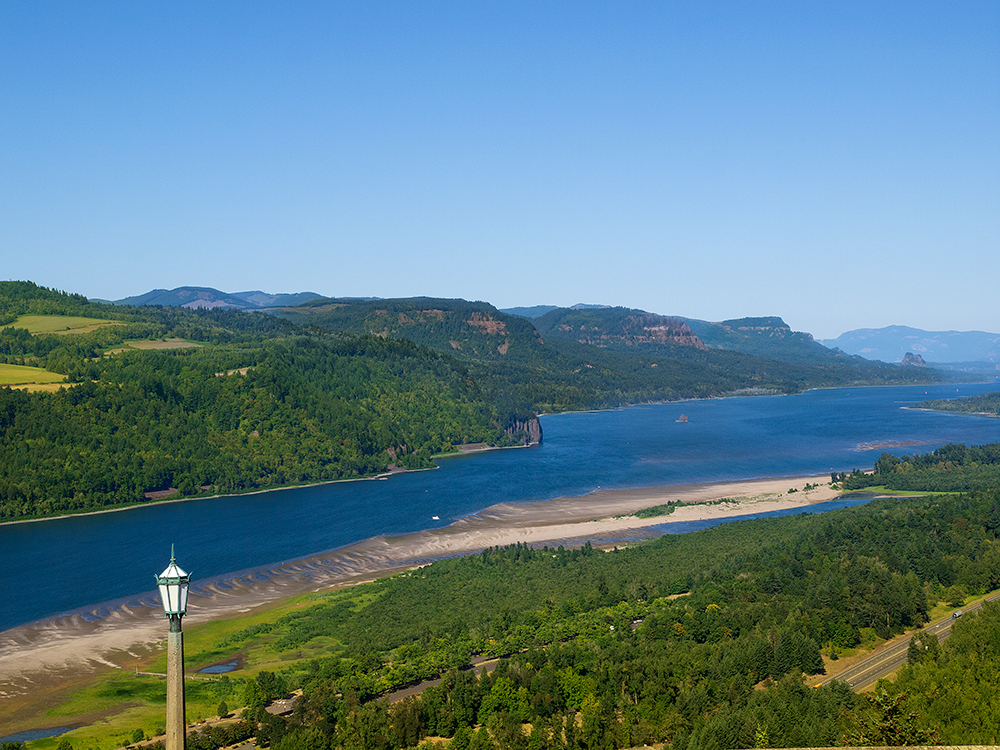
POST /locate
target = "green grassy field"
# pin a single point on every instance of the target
(148, 344)
(61, 324)
(19, 375)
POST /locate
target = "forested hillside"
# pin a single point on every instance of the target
(955, 687)
(617, 325)
(986, 403)
(258, 403)
(587, 358)
(731, 343)
(768, 337)
(697, 640)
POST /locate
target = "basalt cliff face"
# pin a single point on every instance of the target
(913, 360)
(617, 327)
(528, 431)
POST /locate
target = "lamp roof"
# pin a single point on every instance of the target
(173, 570)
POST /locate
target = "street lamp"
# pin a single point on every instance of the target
(173, 584)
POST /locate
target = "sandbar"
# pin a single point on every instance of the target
(120, 635)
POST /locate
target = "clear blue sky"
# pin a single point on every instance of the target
(834, 163)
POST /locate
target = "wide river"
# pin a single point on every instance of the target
(61, 565)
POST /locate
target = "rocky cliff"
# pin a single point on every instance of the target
(528, 432)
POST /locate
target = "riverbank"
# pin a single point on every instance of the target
(46, 653)
(169, 500)
(191, 498)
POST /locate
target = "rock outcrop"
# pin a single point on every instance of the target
(528, 432)
(913, 360)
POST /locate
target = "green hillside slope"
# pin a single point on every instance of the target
(768, 337)
(255, 403)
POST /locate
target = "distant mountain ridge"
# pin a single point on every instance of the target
(201, 297)
(892, 343)
(537, 311)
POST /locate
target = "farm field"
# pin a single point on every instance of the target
(61, 324)
(30, 378)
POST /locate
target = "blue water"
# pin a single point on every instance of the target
(220, 668)
(61, 565)
(35, 734)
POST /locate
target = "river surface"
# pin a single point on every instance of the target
(61, 565)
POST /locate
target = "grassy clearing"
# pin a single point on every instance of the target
(61, 324)
(942, 610)
(20, 375)
(879, 489)
(42, 387)
(151, 344)
(162, 344)
(127, 702)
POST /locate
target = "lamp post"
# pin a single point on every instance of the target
(173, 584)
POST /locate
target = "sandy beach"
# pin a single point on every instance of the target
(47, 652)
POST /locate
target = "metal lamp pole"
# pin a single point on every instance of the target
(173, 584)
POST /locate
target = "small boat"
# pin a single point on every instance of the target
(435, 518)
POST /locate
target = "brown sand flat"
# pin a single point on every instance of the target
(44, 653)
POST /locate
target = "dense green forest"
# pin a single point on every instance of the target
(950, 468)
(955, 686)
(987, 403)
(260, 404)
(603, 653)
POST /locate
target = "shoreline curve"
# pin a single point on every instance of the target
(109, 635)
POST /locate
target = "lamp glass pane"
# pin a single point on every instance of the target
(164, 597)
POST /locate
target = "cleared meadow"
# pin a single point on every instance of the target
(61, 324)
(30, 378)
(149, 344)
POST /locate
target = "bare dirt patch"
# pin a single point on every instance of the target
(487, 324)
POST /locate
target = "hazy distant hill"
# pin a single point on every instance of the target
(263, 299)
(535, 311)
(199, 297)
(890, 344)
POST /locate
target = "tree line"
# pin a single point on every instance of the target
(950, 468)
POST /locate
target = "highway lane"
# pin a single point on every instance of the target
(890, 657)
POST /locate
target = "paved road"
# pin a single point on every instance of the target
(889, 658)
